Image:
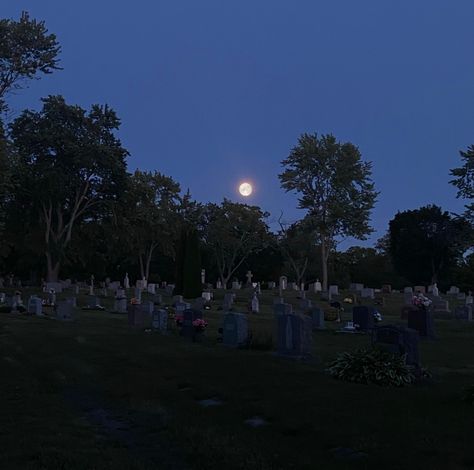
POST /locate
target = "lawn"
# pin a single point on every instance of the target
(95, 394)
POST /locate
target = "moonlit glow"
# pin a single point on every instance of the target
(245, 189)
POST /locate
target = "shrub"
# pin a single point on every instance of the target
(372, 366)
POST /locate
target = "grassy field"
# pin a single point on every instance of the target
(94, 394)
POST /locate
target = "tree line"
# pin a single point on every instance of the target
(69, 207)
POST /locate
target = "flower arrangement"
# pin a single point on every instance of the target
(135, 301)
(200, 324)
(421, 301)
(179, 318)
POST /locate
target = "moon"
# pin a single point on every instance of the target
(245, 189)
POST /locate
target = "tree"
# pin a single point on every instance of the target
(69, 164)
(233, 232)
(26, 50)
(464, 179)
(149, 216)
(335, 188)
(297, 242)
(425, 243)
(192, 286)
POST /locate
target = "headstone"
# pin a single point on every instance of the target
(255, 304)
(72, 301)
(198, 303)
(120, 305)
(317, 286)
(126, 282)
(305, 304)
(435, 290)
(236, 285)
(178, 299)
(317, 317)
(356, 287)
(219, 285)
(469, 300)
(249, 276)
(203, 276)
(421, 320)
(367, 293)
(136, 318)
(157, 299)
(294, 335)
(363, 318)
(399, 340)
(188, 330)
(405, 309)
(461, 296)
(235, 330)
(56, 286)
(93, 301)
(453, 290)
(386, 289)
(160, 320)
(64, 311)
(138, 294)
(181, 306)
(148, 306)
(282, 309)
(463, 312)
(408, 298)
(228, 301)
(283, 282)
(271, 285)
(334, 290)
(35, 306)
(326, 296)
(169, 288)
(207, 296)
(408, 290)
(151, 288)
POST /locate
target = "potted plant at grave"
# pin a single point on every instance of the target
(421, 302)
(200, 326)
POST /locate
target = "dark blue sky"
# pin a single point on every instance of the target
(211, 92)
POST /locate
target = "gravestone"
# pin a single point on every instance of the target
(421, 320)
(177, 299)
(72, 301)
(317, 286)
(198, 303)
(148, 306)
(136, 318)
(469, 299)
(35, 306)
(282, 309)
(461, 296)
(236, 285)
(138, 294)
(408, 290)
(255, 304)
(207, 296)
(408, 298)
(294, 335)
(367, 293)
(228, 301)
(169, 288)
(283, 282)
(334, 290)
(120, 305)
(218, 285)
(399, 340)
(181, 307)
(363, 318)
(317, 318)
(126, 282)
(235, 331)
(92, 301)
(405, 309)
(65, 311)
(160, 320)
(386, 288)
(453, 290)
(463, 312)
(326, 296)
(151, 288)
(305, 304)
(188, 330)
(56, 286)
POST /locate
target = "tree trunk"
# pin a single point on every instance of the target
(52, 267)
(142, 267)
(324, 263)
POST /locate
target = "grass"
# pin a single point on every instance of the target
(94, 394)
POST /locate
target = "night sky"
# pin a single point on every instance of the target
(215, 92)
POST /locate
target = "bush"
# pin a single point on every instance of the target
(372, 366)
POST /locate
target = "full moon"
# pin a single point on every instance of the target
(245, 189)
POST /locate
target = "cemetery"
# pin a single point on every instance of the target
(141, 378)
(197, 274)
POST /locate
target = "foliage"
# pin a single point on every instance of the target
(192, 287)
(425, 243)
(148, 216)
(26, 50)
(464, 179)
(334, 186)
(372, 366)
(69, 165)
(232, 232)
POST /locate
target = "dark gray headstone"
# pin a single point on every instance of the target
(65, 311)
(35, 306)
(399, 340)
(160, 320)
(120, 305)
(421, 320)
(282, 309)
(135, 315)
(294, 335)
(235, 330)
(189, 315)
(363, 317)
(317, 317)
(463, 312)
